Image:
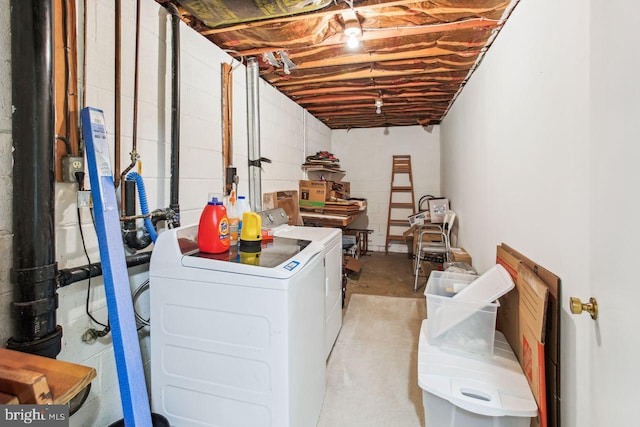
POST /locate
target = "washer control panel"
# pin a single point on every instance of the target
(272, 218)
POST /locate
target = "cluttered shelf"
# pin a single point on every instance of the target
(321, 168)
(322, 162)
(334, 214)
(325, 202)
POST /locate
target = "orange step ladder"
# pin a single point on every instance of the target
(400, 208)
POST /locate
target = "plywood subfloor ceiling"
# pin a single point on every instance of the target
(412, 59)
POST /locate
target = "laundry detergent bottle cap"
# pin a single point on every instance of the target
(213, 229)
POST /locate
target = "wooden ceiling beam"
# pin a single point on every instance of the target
(382, 122)
(358, 109)
(295, 94)
(362, 58)
(417, 64)
(425, 96)
(371, 34)
(361, 74)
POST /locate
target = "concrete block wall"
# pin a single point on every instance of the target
(287, 133)
(366, 156)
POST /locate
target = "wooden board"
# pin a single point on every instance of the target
(60, 75)
(8, 399)
(65, 379)
(327, 220)
(28, 386)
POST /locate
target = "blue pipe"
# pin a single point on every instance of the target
(142, 194)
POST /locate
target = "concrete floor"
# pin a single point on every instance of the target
(390, 274)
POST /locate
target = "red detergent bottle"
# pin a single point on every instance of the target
(213, 229)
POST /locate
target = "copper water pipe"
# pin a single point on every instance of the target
(134, 153)
(116, 166)
(227, 143)
(84, 54)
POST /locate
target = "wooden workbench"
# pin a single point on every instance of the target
(326, 220)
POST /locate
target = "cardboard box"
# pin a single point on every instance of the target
(313, 193)
(339, 190)
(287, 200)
(528, 316)
(460, 255)
(353, 265)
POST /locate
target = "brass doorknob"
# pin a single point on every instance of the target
(578, 306)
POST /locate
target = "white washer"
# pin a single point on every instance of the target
(331, 239)
(234, 343)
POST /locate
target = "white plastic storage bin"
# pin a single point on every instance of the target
(471, 390)
(458, 324)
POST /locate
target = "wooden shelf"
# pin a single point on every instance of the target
(337, 221)
(64, 379)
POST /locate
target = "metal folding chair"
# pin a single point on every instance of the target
(434, 250)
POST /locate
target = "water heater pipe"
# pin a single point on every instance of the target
(174, 192)
(34, 263)
(253, 125)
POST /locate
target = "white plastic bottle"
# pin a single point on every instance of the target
(241, 207)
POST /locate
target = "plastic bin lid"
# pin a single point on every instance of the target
(487, 288)
(478, 294)
(486, 385)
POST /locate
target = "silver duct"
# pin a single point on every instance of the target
(253, 124)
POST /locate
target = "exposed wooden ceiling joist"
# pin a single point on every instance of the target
(413, 55)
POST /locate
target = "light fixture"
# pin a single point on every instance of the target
(379, 105)
(351, 28)
(287, 63)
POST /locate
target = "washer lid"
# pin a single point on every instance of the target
(486, 385)
(317, 234)
(279, 258)
(267, 253)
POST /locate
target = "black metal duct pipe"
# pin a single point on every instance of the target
(34, 268)
(174, 203)
(72, 275)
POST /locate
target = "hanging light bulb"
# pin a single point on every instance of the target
(351, 28)
(379, 105)
(352, 41)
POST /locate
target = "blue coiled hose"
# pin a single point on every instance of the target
(142, 194)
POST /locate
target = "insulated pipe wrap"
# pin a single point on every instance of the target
(144, 207)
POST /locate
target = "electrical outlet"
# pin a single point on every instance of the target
(71, 165)
(84, 199)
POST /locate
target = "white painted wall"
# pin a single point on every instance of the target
(615, 179)
(516, 157)
(366, 156)
(287, 134)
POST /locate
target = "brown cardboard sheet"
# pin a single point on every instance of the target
(520, 326)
